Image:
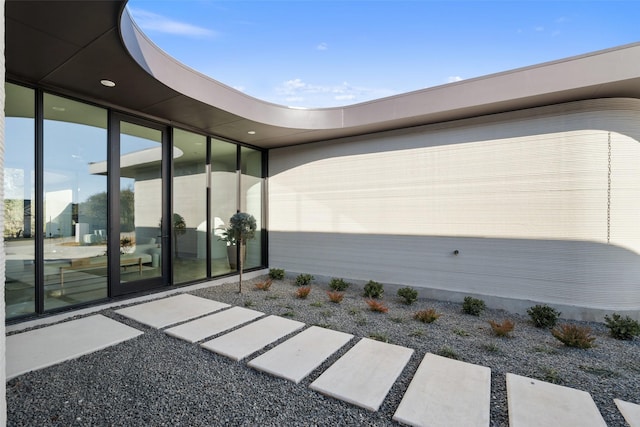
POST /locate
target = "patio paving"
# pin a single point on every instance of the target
(245, 341)
(446, 392)
(630, 412)
(443, 392)
(297, 357)
(538, 403)
(171, 310)
(365, 374)
(214, 324)
(39, 348)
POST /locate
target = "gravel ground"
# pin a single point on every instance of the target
(156, 380)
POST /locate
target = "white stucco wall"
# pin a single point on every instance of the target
(524, 197)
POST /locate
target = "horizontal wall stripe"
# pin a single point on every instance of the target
(525, 197)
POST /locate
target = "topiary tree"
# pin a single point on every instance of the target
(242, 227)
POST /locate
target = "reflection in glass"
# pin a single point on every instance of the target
(251, 200)
(75, 208)
(224, 195)
(190, 208)
(19, 195)
(140, 202)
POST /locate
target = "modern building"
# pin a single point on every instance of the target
(122, 167)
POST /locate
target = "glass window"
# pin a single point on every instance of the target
(19, 198)
(251, 200)
(224, 196)
(189, 206)
(140, 202)
(75, 202)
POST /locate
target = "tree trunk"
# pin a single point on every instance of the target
(240, 264)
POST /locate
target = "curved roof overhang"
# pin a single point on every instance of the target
(69, 46)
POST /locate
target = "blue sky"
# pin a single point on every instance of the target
(322, 53)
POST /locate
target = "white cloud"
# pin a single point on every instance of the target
(538, 28)
(322, 46)
(153, 22)
(452, 79)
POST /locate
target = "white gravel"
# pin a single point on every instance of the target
(157, 380)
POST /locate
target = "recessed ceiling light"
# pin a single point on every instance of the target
(107, 83)
(252, 132)
(58, 108)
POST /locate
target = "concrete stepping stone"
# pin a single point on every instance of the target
(171, 310)
(244, 341)
(213, 324)
(538, 403)
(39, 348)
(447, 392)
(298, 356)
(630, 412)
(364, 375)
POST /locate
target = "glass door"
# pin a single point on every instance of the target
(141, 239)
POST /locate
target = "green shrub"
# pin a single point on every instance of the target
(338, 284)
(448, 352)
(373, 289)
(304, 279)
(276, 273)
(408, 294)
(473, 306)
(543, 316)
(574, 336)
(426, 316)
(622, 328)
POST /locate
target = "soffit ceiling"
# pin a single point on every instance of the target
(69, 46)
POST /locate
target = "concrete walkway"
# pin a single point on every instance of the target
(443, 392)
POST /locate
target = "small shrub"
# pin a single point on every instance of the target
(289, 314)
(550, 375)
(316, 304)
(335, 296)
(303, 291)
(379, 337)
(276, 273)
(248, 303)
(271, 297)
(338, 284)
(417, 333)
(502, 329)
(408, 294)
(373, 289)
(473, 306)
(460, 332)
(264, 286)
(448, 352)
(361, 321)
(491, 348)
(304, 279)
(543, 316)
(426, 316)
(376, 306)
(574, 336)
(327, 313)
(622, 328)
(396, 319)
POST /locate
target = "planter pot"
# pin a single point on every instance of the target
(231, 255)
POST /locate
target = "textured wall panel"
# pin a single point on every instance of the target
(530, 199)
